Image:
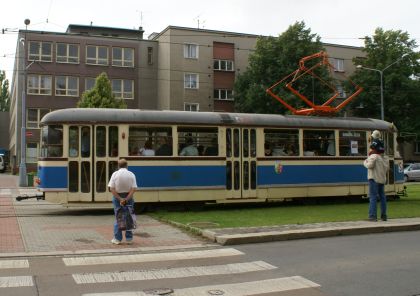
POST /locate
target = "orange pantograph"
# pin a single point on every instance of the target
(326, 108)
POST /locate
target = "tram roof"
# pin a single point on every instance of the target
(135, 116)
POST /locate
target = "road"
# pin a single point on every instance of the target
(369, 265)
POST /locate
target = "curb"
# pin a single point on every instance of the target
(270, 236)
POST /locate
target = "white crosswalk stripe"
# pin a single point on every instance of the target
(5, 264)
(171, 273)
(154, 257)
(238, 289)
(5, 192)
(16, 281)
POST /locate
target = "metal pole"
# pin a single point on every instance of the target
(23, 179)
(382, 96)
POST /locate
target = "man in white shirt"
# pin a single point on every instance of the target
(122, 185)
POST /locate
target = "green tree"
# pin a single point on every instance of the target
(4, 92)
(101, 96)
(401, 84)
(273, 59)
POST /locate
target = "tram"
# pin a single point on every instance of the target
(208, 157)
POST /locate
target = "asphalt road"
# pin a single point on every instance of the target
(370, 265)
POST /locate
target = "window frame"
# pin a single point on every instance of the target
(35, 124)
(38, 83)
(97, 59)
(40, 56)
(67, 56)
(190, 83)
(123, 62)
(187, 107)
(191, 51)
(123, 94)
(220, 95)
(29, 158)
(229, 65)
(67, 90)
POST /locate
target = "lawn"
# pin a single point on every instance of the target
(286, 213)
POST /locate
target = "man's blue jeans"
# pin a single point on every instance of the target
(375, 190)
(118, 233)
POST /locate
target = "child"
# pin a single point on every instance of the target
(377, 143)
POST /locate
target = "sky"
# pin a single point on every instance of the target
(335, 21)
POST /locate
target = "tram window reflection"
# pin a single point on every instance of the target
(52, 141)
(318, 143)
(73, 141)
(113, 141)
(281, 142)
(353, 143)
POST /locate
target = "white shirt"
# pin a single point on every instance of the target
(122, 181)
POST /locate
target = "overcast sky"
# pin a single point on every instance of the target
(336, 21)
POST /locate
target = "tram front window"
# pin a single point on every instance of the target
(52, 141)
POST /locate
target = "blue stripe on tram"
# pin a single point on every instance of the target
(53, 177)
(179, 176)
(310, 174)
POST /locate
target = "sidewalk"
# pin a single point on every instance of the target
(34, 227)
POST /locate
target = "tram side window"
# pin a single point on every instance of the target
(198, 141)
(281, 142)
(52, 141)
(318, 143)
(389, 143)
(150, 141)
(113, 141)
(73, 141)
(352, 143)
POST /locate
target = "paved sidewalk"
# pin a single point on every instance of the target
(32, 227)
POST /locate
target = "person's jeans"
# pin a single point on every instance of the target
(375, 190)
(118, 233)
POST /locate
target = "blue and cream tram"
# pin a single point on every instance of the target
(208, 157)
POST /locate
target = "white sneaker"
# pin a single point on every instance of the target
(115, 241)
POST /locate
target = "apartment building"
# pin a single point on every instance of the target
(59, 67)
(177, 69)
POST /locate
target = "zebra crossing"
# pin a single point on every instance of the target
(190, 266)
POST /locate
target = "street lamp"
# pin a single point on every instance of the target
(23, 181)
(381, 73)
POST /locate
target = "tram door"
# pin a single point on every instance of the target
(93, 157)
(241, 162)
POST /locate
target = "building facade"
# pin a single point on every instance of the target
(177, 69)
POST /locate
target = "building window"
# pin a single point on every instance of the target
(150, 55)
(67, 86)
(417, 147)
(123, 88)
(191, 51)
(341, 91)
(223, 65)
(89, 83)
(223, 94)
(39, 85)
(97, 55)
(32, 152)
(191, 80)
(338, 64)
(122, 57)
(34, 116)
(40, 51)
(194, 107)
(67, 53)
